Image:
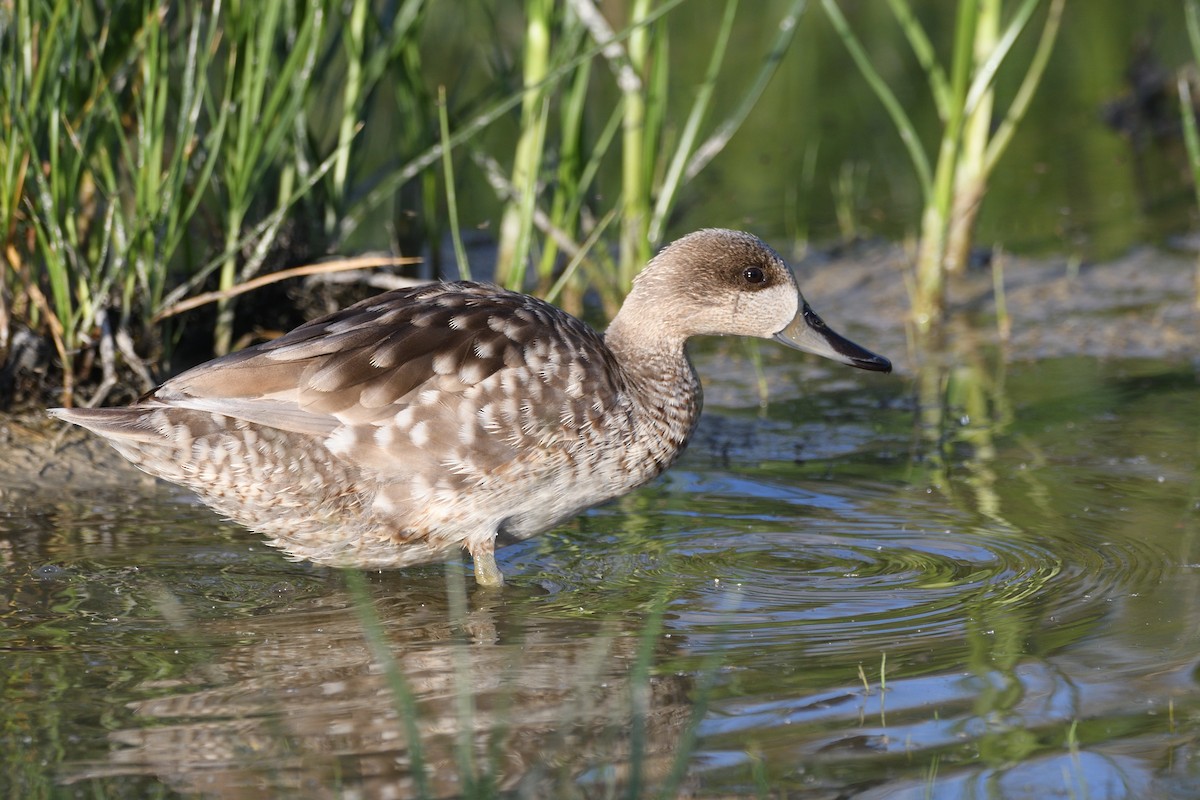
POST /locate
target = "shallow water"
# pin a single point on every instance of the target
(987, 588)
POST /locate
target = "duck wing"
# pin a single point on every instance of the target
(451, 371)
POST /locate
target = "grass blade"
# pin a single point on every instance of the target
(1187, 111)
(985, 74)
(639, 688)
(900, 118)
(385, 187)
(1033, 77)
(683, 150)
(923, 49)
(460, 253)
(580, 255)
(399, 690)
(516, 223)
(725, 131)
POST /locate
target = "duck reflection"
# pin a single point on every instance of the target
(297, 703)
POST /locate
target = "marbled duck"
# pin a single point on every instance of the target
(440, 417)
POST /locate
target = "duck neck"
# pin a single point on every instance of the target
(646, 351)
(655, 362)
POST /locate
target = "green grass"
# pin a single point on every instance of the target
(1187, 111)
(153, 152)
(400, 693)
(971, 142)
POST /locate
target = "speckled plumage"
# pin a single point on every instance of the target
(425, 420)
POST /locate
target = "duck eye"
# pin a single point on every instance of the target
(754, 275)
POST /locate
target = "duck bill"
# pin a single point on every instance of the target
(809, 333)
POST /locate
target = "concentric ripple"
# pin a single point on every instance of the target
(858, 569)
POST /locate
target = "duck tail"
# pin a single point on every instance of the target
(114, 424)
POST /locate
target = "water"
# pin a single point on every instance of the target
(835, 595)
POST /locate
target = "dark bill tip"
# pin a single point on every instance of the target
(808, 332)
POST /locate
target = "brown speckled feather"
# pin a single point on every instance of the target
(382, 416)
(445, 416)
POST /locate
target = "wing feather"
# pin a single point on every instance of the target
(348, 376)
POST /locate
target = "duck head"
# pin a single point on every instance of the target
(728, 283)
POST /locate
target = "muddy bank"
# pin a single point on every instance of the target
(1140, 306)
(39, 457)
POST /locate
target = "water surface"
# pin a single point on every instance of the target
(831, 594)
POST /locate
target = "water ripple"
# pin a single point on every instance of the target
(844, 571)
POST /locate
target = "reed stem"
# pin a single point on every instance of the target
(516, 227)
(635, 217)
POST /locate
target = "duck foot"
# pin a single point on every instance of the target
(487, 573)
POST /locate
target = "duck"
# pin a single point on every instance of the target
(456, 416)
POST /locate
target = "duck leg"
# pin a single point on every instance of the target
(487, 573)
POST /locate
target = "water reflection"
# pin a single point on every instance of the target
(1005, 595)
(1083, 500)
(300, 703)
